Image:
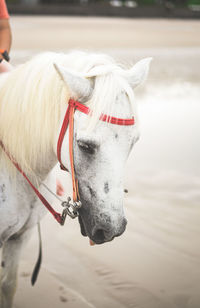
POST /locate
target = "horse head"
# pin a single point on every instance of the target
(101, 149)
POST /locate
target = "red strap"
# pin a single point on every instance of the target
(61, 136)
(117, 121)
(69, 120)
(103, 117)
(71, 156)
(56, 215)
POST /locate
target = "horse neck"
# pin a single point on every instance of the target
(42, 169)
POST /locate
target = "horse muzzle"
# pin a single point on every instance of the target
(103, 232)
(103, 229)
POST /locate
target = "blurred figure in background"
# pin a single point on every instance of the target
(5, 38)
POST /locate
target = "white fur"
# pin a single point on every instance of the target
(32, 106)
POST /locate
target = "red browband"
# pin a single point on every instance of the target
(75, 105)
(68, 121)
(105, 118)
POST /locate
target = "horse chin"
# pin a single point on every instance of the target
(97, 226)
(83, 231)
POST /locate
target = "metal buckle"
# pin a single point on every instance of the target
(70, 209)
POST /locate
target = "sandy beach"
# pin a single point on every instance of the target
(156, 262)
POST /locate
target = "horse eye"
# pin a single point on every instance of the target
(86, 147)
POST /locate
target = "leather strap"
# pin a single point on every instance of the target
(56, 215)
(61, 137)
(71, 156)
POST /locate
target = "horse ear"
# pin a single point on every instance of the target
(79, 87)
(138, 73)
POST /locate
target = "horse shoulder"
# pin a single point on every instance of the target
(15, 207)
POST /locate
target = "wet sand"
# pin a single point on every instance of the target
(156, 262)
(82, 32)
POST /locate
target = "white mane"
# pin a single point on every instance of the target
(32, 96)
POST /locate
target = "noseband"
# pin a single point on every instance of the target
(69, 209)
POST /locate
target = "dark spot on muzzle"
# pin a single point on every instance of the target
(92, 192)
(106, 187)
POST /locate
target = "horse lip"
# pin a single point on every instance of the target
(99, 242)
(83, 230)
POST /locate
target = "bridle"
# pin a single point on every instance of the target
(70, 209)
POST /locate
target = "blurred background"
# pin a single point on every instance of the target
(126, 8)
(156, 262)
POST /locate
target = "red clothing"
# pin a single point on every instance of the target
(3, 10)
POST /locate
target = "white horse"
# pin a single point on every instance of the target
(33, 101)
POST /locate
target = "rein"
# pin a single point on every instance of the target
(70, 209)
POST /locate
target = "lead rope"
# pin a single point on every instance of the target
(39, 260)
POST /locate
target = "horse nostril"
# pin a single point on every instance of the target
(99, 235)
(105, 232)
